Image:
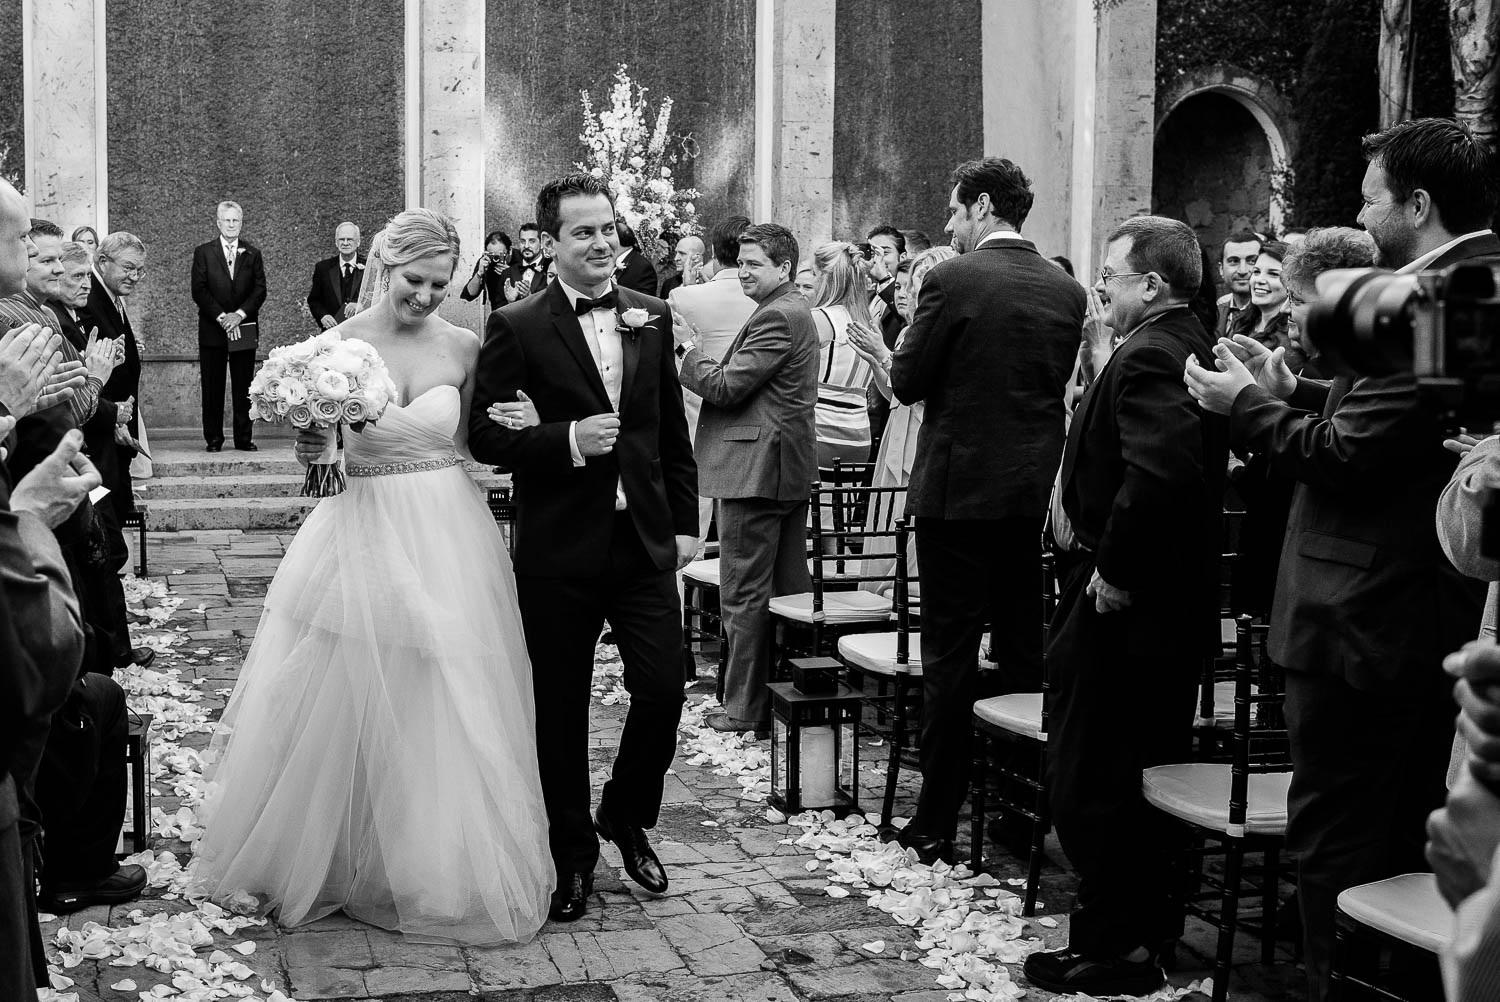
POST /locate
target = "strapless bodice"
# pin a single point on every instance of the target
(419, 431)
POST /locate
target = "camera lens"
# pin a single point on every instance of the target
(1363, 320)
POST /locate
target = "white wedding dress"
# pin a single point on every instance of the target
(378, 754)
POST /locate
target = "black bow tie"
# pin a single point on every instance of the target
(604, 302)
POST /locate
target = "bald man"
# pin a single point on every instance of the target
(336, 280)
(688, 259)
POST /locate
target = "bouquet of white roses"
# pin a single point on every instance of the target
(320, 383)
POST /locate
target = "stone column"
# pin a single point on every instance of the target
(1029, 98)
(1124, 113)
(65, 137)
(801, 117)
(449, 158)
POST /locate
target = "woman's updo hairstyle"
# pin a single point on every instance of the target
(413, 235)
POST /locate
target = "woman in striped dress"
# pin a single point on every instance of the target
(841, 295)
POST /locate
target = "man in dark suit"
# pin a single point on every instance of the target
(526, 275)
(119, 266)
(1366, 603)
(607, 512)
(229, 286)
(998, 316)
(632, 270)
(757, 455)
(1141, 487)
(336, 280)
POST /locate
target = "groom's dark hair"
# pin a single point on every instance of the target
(549, 200)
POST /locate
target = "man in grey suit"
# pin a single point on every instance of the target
(756, 455)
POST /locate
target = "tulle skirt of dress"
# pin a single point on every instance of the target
(378, 754)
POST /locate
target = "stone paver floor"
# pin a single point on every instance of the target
(744, 919)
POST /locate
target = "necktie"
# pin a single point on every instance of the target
(229, 260)
(604, 302)
(348, 270)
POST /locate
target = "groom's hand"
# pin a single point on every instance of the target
(687, 549)
(596, 434)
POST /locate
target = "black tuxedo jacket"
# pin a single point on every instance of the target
(1143, 483)
(990, 350)
(326, 297)
(515, 271)
(565, 514)
(215, 293)
(891, 321)
(638, 274)
(125, 381)
(1364, 591)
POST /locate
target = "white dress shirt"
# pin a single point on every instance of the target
(1425, 261)
(599, 331)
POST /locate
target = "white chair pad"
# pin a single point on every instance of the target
(1407, 907)
(1018, 713)
(875, 653)
(703, 572)
(1198, 792)
(838, 607)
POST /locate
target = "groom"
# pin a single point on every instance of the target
(607, 511)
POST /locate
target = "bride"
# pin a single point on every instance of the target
(378, 754)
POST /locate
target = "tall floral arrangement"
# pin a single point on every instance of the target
(637, 161)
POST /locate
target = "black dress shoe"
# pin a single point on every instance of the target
(125, 883)
(139, 656)
(929, 848)
(639, 858)
(248, 447)
(571, 899)
(1067, 972)
(215, 446)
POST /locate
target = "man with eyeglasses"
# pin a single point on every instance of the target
(1141, 485)
(119, 267)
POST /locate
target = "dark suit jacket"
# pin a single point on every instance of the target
(756, 436)
(513, 274)
(326, 297)
(638, 274)
(215, 293)
(990, 350)
(1143, 483)
(565, 514)
(1364, 592)
(891, 321)
(125, 381)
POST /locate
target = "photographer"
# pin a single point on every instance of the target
(1366, 603)
(487, 284)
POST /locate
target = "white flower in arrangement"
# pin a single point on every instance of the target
(293, 392)
(332, 385)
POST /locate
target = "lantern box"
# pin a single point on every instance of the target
(814, 750)
(136, 837)
(816, 676)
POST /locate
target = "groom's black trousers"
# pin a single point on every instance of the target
(563, 618)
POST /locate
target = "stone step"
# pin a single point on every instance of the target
(278, 463)
(197, 514)
(250, 485)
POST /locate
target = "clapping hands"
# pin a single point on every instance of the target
(522, 413)
(33, 373)
(868, 343)
(1241, 362)
(100, 356)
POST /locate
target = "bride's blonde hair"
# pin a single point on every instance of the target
(408, 236)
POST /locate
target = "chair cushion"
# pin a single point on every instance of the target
(1407, 907)
(838, 607)
(1223, 718)
(1198, 792)
(1018, 713)
(876, 653)
(703, 572)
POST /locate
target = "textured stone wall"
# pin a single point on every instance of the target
(541, 53)
(1213, 168)
(12, 126)
(908, 106)
(293, 109)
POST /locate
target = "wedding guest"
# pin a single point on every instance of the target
(119, 266)
(711, 314)
(487, 283)
(1236, 264)
(1366, 603)
(999, 315)
(843, 420)
(1266, 317)
(887, 251)
(1063, 263)
(336, 280)
(807, 282)
(73, 293)
(1134, 618)
(756, 456)
(687, 260)
(916, 242)
(527, 272)
(632, 270)
(229, 286)
(87, 236)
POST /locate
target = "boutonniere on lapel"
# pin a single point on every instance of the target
(631, 322)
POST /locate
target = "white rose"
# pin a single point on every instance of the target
(326, 411)
(293, 392)
(635, 317)
(333, 385)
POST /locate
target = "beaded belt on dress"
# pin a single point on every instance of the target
(387, 469)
